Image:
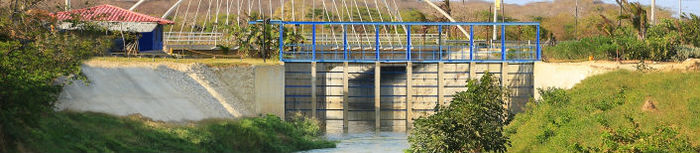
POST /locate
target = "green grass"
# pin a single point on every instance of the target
(606, 100)
(95, 132)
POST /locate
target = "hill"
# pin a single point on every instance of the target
(597, 112)
(556, 16)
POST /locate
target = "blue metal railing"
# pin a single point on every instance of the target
(439, 50)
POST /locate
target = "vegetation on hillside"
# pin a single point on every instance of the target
(636, 39)
(32, 57)
(621, 111)
(95, 132)
(472, 122)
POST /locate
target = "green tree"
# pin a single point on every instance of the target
(32, 57)
(473, 122)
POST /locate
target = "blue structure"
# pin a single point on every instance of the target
(442, 50)
(152, 40)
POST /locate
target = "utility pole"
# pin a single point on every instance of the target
(576, 21)
(503, 12)
(653, 10)
(680, 9)
(496, 5)
(67, 7)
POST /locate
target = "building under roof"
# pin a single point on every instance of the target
(118, 19)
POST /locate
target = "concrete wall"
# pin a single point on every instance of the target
(269, 98)
(176, 92)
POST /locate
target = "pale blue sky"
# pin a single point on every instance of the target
(692, 6)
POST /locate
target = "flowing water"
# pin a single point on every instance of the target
(384, 142)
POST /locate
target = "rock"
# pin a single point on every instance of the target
(649, 105)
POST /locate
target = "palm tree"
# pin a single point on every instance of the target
(635, 13)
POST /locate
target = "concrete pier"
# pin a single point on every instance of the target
(377, 95)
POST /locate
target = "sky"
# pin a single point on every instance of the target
(692, 6)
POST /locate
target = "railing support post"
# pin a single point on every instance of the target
(439, 43)
(313, 42)
(281, 41)
(503, 42)
(471, 43)
(376, 42)
(539, 53)
(408, 43)
(345, 42)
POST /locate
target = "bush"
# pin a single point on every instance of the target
(553, 96)
(600, 47)
(633, 139)
(473, 122)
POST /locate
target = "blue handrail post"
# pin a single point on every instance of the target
(439, 43)
(376, 41)
(313, 41)
(408, 43)
(471, 43)
(281, 41)
(539, 53)
(503, 42)
(345, 42)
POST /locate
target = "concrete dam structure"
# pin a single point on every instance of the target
(384, 84)
(344, 97)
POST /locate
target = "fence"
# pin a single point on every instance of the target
(397, 42)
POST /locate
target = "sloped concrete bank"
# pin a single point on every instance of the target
(176, 92)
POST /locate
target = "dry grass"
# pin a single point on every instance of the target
(218, 62)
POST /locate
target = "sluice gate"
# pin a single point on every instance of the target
(386, 85)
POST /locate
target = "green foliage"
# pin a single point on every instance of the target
(594, 115)
(636, 40)
(32, 57)
(94, 132)
(633, 139)
(661, 44)
(690, 29)
(598, 47)
(257, 40)
(473, 122)
(553, 96)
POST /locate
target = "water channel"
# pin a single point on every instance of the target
(383, 142)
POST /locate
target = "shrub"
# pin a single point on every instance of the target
(599, 46)
(553, 96)
(473, 122)
(632, 139)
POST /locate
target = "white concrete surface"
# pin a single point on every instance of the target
(171, 91)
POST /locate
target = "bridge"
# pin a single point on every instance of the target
(386, 81)
(356, 65)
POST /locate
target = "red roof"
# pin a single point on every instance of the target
(109, 13)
